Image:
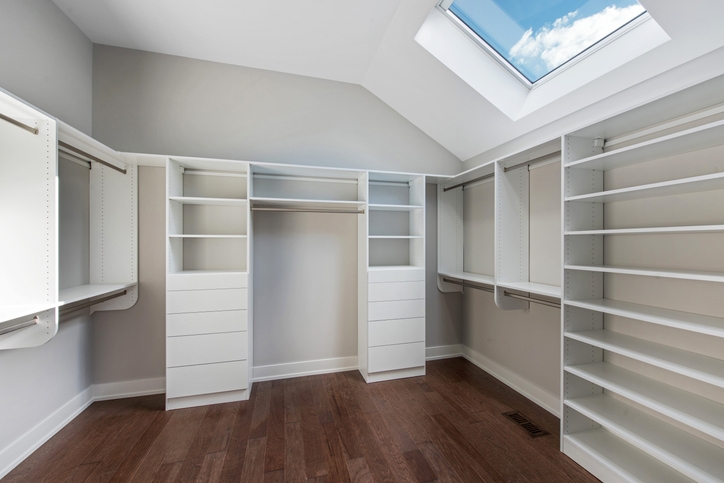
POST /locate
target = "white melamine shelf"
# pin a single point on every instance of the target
(690, 364)
(706, 182)
(628, 462)
(652, 231)
(377, 207)
(694, 411)
(651, 272)
(187, 200)
(470, 277)
(381, 268)
(394, 237)
(207, 236)
(91, 291)
(207, 272)
(534, 288)
(702, 324)
(13, 312)
(684, 452)
(693, 139)
(304, 203)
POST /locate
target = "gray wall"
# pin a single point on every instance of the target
(161, 104)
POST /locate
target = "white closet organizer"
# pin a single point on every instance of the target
(31, 303)
(391, 323)
(641, 397)
(208, 300)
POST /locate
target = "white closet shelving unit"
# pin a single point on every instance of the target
(208, 301)
(391, 323)
(618, 422)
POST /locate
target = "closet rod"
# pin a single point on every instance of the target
(390, 183)
(226, 174)
(307, 210)
(555, 305)
(317, 179)
(540, 159)
(75, 159)
(21, 125)
(68, 147)
(463, 284)
(20, 325)
(465, 183)
(72, 308)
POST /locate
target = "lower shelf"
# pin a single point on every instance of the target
(533, 288)
(87, 292)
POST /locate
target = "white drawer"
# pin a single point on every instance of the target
(190, 350)
(206, 322)
(412, 274)
(184, 301)
(399, 309)
(206, 379)
(206, 280)
(381, 292)
(400, 331)
(394, 357)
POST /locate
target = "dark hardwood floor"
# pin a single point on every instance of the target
(446, 426)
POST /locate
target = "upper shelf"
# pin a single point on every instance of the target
(190, 200)
(470, 277)
(534, 288)
(652, 272)
(91, 291)
(659, 230)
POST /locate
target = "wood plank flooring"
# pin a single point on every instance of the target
(444, 427)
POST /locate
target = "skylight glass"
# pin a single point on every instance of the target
(538, 37)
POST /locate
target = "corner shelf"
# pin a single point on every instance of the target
(651, 272)
(470, 277)
(534, 288)
(191, 200)
(660, 230)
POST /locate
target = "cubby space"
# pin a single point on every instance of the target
(396, 252)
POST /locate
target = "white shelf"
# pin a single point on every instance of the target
(701, 324)
(682, 451)
(700, 137)
(706, 182)
(187, 200)
(534, 288)
(694, 411)
(13, 312)
(393, 237)
(381, 268)
(470, 277)
(207, 272)
(652, 231)
(651, 272)
(303, 203)
(378, 207)
(91, 291)
(690, 364)
(207, 236)
(628, 462)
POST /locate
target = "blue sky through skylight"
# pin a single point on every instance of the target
(538, 37)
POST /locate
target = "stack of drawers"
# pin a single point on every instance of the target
(395, 323)
(207, 343)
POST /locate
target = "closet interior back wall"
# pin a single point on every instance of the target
(479, 228)
(74, 224)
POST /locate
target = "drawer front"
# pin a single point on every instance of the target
(206, 322)
(382, 292)
(401, 275)
(206, 281)
(206, 349)
(394, 357)
(400, 309)
(186, 301)
(400, 331)
(206, 379)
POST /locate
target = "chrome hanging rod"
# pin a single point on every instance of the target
(72, 308)
(307, 210)
(405, 184)
(463, 284)
(465, 183)
(19, 325)
(73, 149)
(201, 172)
(540, 159)
(555, 305)
(77, 160)
(19, 124)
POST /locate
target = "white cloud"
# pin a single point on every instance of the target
(551, 46)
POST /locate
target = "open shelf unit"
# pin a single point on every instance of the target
(613, 399)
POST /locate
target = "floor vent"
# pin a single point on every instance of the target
(530, 428)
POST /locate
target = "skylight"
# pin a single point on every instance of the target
(536, 38)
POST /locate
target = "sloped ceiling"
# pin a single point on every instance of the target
(371, 43)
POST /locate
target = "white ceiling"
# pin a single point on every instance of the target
(371, 42)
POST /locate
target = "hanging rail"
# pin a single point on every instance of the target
(390, 183)
(19, 325)
(76, 159)
(307, 210)
(72, 308)
(73, 149)
(541, 159)
(465, 183)
(469, 285)
(19, 124)
(555, 305)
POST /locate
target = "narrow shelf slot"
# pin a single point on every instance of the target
(90, 291)
(701, 324)
(682, 451)
(651, 272)
(690, 364)
(694, 411)
(470, 277)
(189, 200)
(651, 231)
(533, 288)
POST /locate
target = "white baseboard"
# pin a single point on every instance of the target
(535, 393)
(124, 389)
(21, 448)
(443, 352)
(306, 368)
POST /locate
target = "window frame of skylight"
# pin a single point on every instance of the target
(444, 6)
